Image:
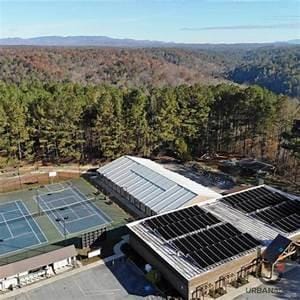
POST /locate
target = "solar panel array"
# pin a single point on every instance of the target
(216, 244)
(252, 200)
(285, 216)
(200, 236)
(269, 207)
(181, 222)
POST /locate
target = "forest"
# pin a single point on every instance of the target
(274, 67)
(58, 122)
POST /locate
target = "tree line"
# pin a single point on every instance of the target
(276, 68)
(67, 121)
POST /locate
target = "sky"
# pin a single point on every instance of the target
(188, 21)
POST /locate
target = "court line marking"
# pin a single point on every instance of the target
(56, 192)
(33, 246)
(93, 210)
(98, 210)
(17, 236)
(48, 186)
(90, 212)
(60, 200)
(60, 216)
(83, 200)
(66, 205)
(71, 208)
(8, 211)
(82, 218)
(84, 204)
(8, 220)
(29, 224)
(74, 196)
(19, 250)
(10, 232)
(55, 199)
(3, 204)
(52, 221)
(36, 223)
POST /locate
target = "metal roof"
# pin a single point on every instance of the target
(166, 250)
(37, 261)
(265, 233)
(156, 187)
(253, 226)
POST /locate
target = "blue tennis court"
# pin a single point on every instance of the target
(18, 230)
(71, 211)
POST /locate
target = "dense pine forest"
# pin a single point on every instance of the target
(68, 121)
(274, 67)
(81, 104)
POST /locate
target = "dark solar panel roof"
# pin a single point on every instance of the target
(200, 236)
(181, 222)
(252, 200)
(269, 207)
(215, 244)
(276, 248)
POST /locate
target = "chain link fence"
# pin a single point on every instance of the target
(13, 181)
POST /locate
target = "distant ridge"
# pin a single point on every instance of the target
(103, 41)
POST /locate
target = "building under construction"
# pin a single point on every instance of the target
(202, 249)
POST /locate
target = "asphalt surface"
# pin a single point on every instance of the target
(287, 288)
(120, 281)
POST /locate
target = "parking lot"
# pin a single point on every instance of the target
(114, 282)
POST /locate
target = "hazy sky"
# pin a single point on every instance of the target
(198, 21)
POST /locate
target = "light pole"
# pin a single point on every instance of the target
(19, 176)
(63, 221)
(38, 202)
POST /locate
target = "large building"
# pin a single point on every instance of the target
(147, 188)
(204, 247)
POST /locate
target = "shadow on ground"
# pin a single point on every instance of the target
(131, 278)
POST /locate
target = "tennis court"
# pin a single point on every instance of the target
(18, 229)
(70, 210)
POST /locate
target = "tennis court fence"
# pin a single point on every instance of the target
(23, 181)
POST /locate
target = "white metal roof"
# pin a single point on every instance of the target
(156, 187)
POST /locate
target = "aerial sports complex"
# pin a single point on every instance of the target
(200, 241)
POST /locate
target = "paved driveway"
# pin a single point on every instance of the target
(121, 281)
(287, 288)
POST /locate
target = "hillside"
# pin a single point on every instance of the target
(274, 67)
(121, 67)
(277, 69)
